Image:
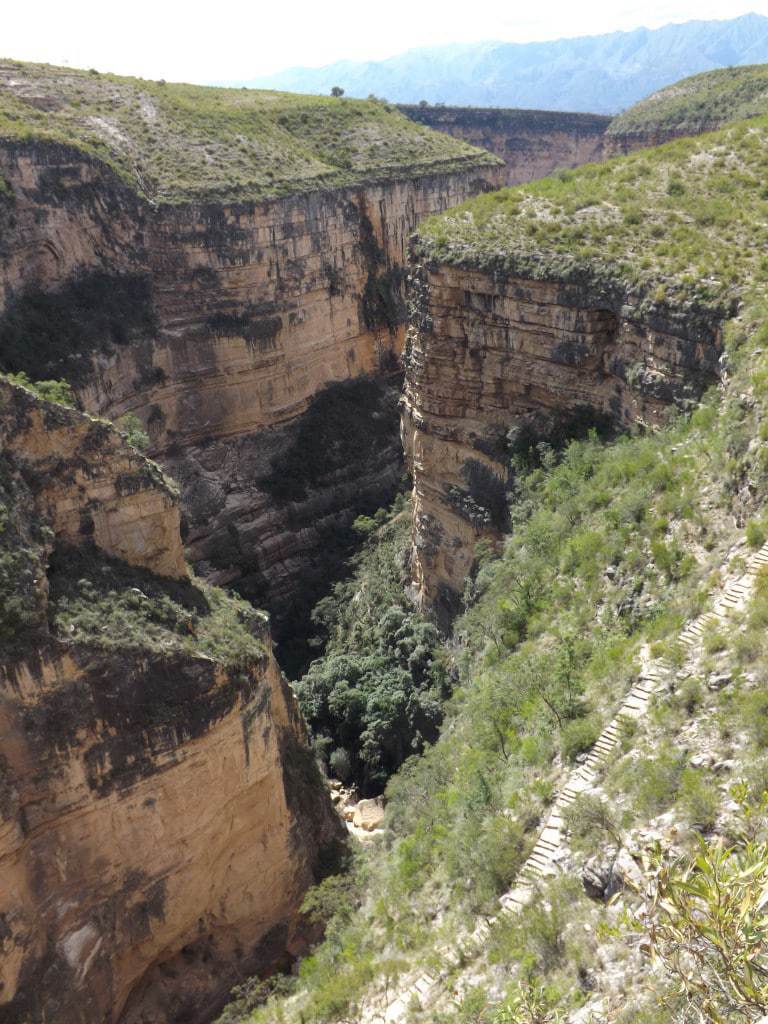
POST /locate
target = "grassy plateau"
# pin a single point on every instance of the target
(176, 143)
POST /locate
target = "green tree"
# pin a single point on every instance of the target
(132, 429)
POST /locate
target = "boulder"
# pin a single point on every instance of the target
(369, 814)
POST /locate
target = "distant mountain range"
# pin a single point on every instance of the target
(601, 74)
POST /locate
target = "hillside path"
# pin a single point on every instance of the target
(550, 846)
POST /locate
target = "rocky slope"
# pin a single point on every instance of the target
(532, 143)
(159, 818)
(219, 321)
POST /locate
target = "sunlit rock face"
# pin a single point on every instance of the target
(532, 143)
(489, 353)
(219, 326)
(159, 818)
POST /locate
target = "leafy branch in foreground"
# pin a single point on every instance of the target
(707, 920)
(527, 1006)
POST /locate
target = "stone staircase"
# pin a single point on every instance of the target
(428, 987)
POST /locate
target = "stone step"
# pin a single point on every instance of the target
(531, 873)
(546, 848)
(648, 685)
(604, 746)
(598, 759)
(633, 706)
(539, 858)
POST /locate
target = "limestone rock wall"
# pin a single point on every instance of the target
(536, 143)
(218, 326)
(159, 817)
(532, 143)
(93, 486)
(487, 353)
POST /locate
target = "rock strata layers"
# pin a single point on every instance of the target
(490, 353)
(536, 143)
(532, 143)
(160, 818)
(218, 325)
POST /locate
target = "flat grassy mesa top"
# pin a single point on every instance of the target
(700, 103)
(177, 143)
(684, 225)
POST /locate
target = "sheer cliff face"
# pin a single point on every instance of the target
(158, 819)
(536, 143)
(532, 143)
(218, 326)
(488, 354)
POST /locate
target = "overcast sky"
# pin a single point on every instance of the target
(230, 39)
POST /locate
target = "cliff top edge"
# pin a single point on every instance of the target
(176, 143)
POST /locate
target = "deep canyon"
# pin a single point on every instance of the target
(161, 813)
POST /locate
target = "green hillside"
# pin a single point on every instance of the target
(701, 103)
(614, 546)
(686, 222)
(176, 143)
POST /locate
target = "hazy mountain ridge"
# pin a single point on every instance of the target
(600, 74)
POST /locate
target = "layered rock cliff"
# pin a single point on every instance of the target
(536, 143)
(221, 323)
(532, 143)
(159, 814)
(497, 359)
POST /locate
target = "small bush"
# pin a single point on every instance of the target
(755, 533)
(689, 695)
(706, 923)
(652, 783)
(58, 391)
(699, 799)
(590, 821)
(341, 764)
(579, 736)
(753, 712)
(715, 642)
(132, 429)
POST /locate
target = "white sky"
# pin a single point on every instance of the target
(224, 40)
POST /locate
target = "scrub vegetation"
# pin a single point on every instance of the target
(681, 228)
(175, 143)
(698, 104)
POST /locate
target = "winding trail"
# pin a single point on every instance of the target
(550, 846)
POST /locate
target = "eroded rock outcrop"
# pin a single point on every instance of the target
(489, 353)
(160, 817)
(219, 325)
